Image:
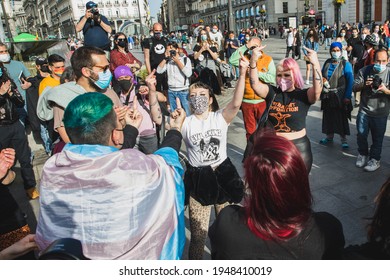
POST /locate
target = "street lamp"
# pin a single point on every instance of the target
(263, 15)
(337, 4)
(141, 29)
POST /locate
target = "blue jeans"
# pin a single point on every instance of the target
(377, 126)
(183, 96)
(328, 42)
(47, 142)
(387, 41)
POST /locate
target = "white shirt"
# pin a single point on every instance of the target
(206, 140)
(217, 37)
(178, 79)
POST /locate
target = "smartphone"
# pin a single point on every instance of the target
(20, 77)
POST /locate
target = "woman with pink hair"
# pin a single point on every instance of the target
(289, 102)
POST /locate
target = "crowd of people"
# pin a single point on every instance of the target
(113, 184)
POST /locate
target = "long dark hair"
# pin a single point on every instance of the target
(279, 203)
(315, 35)
(5, 77)
(116, 36)
(199, 39)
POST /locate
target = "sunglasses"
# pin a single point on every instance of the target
(121, 40)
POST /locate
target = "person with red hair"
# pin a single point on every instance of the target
(277, 220)
(289, 102)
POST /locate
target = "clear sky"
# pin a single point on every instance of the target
(154, 7)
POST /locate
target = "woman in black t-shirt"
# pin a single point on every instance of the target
(289, 102)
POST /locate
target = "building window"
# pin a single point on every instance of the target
(285, 7)
(109, 13)
(367, 11)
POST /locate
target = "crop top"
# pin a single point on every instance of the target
(288, 111)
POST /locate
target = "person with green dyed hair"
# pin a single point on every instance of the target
(91, 119)
(96, 192)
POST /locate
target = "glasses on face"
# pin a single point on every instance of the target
(104, 68)
(121, 39)
(5, 51)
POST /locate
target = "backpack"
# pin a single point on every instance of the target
(195, 72)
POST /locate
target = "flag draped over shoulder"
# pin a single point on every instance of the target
(119, 204)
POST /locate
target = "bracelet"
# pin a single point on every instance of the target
(252, 67)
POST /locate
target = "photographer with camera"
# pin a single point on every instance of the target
(179, 70)
(96, 28)
(373, 82)
(12, 131)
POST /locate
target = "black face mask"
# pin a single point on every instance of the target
(125, 85)
(45, 68)
(122, 44)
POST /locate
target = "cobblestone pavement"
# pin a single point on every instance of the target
(337, 185)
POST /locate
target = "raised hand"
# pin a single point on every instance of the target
(256, 53)
(243, 64)
(151, 80)
(133, 116)
(178, 103)
(5, 87)
(177, 116)
(311, 55)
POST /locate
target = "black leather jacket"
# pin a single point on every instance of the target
(8, 105)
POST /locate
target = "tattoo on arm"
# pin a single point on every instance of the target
(318, 78)
(252, 81)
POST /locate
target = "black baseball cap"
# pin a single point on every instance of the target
(40, 61)
(90, 5)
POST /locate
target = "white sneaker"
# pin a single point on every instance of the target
(307, 82)
(361, 161)
(372, 165)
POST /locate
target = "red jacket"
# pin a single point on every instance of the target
(118, 58)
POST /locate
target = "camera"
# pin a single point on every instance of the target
(172, 52)
(376, 82)
(95, 11)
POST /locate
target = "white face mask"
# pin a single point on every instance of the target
(336, 55)
(5, 57)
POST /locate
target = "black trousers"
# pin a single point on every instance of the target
(14, 136)
(303, 145)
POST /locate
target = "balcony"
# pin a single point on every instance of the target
(108, 4)
(116, 4)
(125, 3)
(63, 10)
